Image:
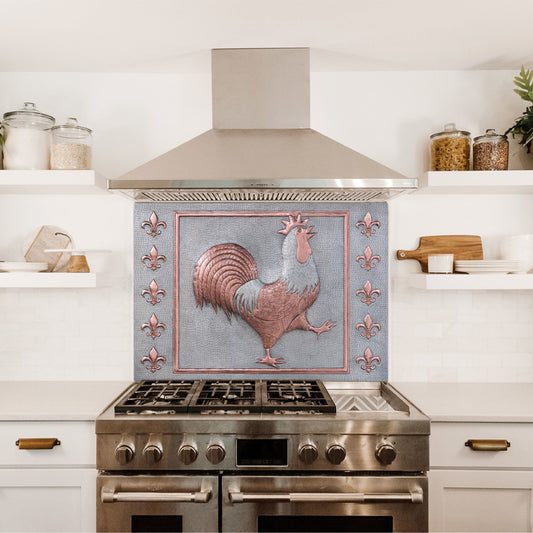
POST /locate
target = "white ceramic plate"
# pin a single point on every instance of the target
(22, 266)
(494, 263)
(494, 270)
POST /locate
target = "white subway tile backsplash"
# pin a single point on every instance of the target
(461, 335)
(441, 375)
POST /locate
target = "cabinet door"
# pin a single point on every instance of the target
(47, 499)
(480, 501)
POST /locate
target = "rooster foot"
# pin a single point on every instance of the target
(326, 326)
(271, 361)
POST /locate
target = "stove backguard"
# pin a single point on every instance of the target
(261, 291)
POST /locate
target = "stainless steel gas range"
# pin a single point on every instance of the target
(245, 455)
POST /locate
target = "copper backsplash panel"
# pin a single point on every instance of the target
(285, 290)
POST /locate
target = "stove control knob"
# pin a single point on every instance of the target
(153, 453)
(308, 453)
(125, 451)
(385, 452)
(187, 453)
(215, 453)
(335, 453)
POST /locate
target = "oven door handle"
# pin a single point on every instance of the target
(327, 497)
(111, 496)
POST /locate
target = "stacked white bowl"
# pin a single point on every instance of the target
(519, 247)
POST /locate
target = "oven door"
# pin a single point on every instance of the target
(324, 503)
(157, 503)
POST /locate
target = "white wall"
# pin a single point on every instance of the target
(87, 334)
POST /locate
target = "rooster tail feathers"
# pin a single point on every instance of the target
(219, 273)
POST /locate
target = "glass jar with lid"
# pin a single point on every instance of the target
(491, 151)
(71, 146)
(450, 149)
(27, 139)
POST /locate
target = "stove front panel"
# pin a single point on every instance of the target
(256, 451)
(262, 291)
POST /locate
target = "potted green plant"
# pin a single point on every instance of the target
(523, 125)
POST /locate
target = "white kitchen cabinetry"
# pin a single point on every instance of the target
(480, 490)
(477, 182)
(473, 182)
(52, 182)
(48, 280)
(479, 501)
(47, 500)
(48, 489)
(471, 282)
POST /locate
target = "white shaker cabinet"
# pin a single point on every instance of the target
(47, 489)
(481, 491)
(480, 501)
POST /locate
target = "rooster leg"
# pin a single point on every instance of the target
(326, 326)
(300, 322)
(272, 361)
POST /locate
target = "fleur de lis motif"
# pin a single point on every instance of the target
(153, 224)
(153, 259)
(367, 259)
(367, 327)
(368, 293)
(152, 295)
(367, 224)
(367, 361)
(153, 325)
(153, 358)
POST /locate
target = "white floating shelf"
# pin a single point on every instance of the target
(478, 182)
(467, 281)
(47, 280)
(52, 182)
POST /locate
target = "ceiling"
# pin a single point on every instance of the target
(176, 35)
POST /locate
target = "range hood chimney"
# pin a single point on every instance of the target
(261, 147)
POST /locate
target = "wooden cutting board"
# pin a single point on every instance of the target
(461, 246)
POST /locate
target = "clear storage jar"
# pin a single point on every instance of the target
(450, 149)
(71, 146)
(491, 151)
(27, 139)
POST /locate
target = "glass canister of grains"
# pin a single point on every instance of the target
(450, 149)
(27, 139)
(491, 151)
(71, 146)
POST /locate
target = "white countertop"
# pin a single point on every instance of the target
(442, 402)
(471, 402)
(57, 400)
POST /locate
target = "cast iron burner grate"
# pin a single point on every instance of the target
(306, 395)
(158, 397)
(227, 395)
(223, 396)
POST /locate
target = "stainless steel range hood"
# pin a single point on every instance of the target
(261, 147)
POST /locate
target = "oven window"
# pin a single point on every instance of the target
(156, 523)
(325, 524)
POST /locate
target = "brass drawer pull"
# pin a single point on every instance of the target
(37, 444)
(488, 445)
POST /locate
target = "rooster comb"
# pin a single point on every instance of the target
(293, 223)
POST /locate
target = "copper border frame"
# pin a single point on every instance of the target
(339, 370)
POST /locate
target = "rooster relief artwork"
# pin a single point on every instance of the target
(290, 291)
(227, 276)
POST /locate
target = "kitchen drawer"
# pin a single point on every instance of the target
(448, 450)
(77, 443)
